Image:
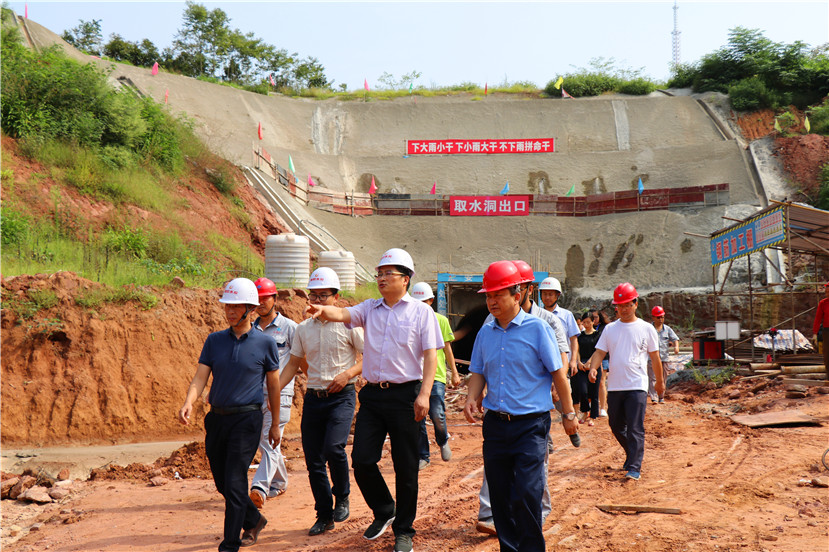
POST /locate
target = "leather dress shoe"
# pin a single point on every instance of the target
(320, 527)
(341, 510)
(249, 536)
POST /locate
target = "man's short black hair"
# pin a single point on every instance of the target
(407, 272)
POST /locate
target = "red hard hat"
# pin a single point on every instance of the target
(624, 293)
(658, 311)
(526, 271)
(501, 275)
(265, 287)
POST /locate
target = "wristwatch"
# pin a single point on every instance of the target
(570, 416)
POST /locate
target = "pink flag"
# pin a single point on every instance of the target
(26, 11)
(434, 187)
(272, 82)
(310, 182)
(373, 188)
(260, 131)
(365, 84)
(564, 93)
(155, 68)
(166, 95)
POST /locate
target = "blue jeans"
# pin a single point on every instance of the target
(437, 413)
(230, 444)
(514, 453)
(326, 423)
(626, 418)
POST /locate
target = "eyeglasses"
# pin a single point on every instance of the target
(387, 274)
(319, 296)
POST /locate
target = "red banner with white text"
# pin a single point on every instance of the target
(479, 147)
(488, 206)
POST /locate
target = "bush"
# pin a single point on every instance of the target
(585, 84)
(749, 94)
(637, 87)
(126, 240)
(14, 226)
(823, 192)
(819, 119)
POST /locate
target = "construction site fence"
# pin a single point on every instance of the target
(357, 203)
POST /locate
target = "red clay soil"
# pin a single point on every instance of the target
(737, 489)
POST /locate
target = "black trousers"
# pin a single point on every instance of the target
(230, 444)
(388, 412)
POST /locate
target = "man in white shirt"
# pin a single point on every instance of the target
(630, 342)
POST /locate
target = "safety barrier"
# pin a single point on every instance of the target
(626, 201)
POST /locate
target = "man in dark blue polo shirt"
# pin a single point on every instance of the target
(239, 359)
(517, 359)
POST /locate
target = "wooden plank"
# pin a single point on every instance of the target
(813, 369)
(766, 419)
(637, 508)
(766, 375)
(809, 382)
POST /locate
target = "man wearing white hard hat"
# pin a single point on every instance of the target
(445, 361)
(399, 363)
(550, 289)
(334, 360)
(239, 360)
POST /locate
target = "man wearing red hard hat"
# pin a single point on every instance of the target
(517, 359)
(630, 342)
(820, 329)
(667, 338)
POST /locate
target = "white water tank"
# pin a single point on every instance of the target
(287, 260)
(342, 262)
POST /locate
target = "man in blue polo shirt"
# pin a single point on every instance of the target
(516, 358)
(239, 359)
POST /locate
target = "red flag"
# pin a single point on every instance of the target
(486, 88)
(365, 84)
(260, 131)
(155, 68)
(564, 93)
(434, 187)
(272, 82)
(166, 95)
(373, 188)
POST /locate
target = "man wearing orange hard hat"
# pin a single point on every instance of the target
(516, 358)
(630, 342)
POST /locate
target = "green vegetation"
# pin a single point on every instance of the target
(118, 151)
(718, 376)
(759, 73)
(601, 77)
(94, 298)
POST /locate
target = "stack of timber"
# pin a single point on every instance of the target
(789, 373)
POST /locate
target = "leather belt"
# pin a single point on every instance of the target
(324, 393)
(388, 384)
(515, 417)
(230, 410)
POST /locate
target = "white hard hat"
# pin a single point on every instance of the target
(550, 283)
(399, 257)
(422, 291)
(240, 291)
(324, 278)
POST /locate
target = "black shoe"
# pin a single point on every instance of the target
(250, 536)
(320, 527)
(341, 510)
(403, 543)
(377, 527)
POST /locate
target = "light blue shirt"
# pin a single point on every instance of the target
(395, 338)
(517, 364)
(281, 329)
(568, 320)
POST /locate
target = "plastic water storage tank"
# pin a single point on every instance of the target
(287, 260)
(341, 262)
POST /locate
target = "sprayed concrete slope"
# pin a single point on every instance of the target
(603, 145)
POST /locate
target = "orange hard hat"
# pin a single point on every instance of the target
(501, 275)
(624, 293)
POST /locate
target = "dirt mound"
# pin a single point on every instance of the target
(113, 373)
(802, 158)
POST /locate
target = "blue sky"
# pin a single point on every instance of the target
(455, 42)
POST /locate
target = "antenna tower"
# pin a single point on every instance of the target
(675, 34)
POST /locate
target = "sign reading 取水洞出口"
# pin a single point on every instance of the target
(752, 235)
(489, 206)
(479, 147)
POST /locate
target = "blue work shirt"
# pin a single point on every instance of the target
(517, 364)
(238, 366)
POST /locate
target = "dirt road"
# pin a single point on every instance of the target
(737, 488)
